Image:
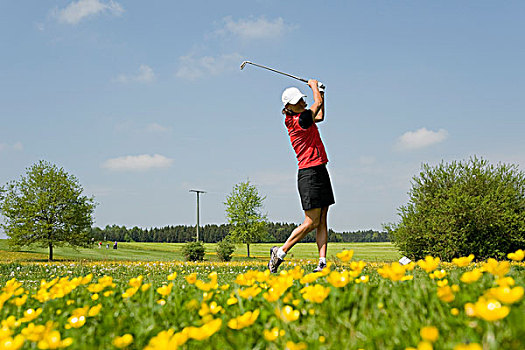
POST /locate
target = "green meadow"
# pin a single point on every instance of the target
(172, 251)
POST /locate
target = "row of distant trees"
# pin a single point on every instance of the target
(274, 232)
(454, 209)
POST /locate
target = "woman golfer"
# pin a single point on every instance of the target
(313, 180)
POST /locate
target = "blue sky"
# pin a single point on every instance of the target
(144, 100)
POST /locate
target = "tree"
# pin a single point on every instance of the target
(243, 210)
(461, 208)
(46, 207)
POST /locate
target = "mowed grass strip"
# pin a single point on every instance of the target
(173, 251)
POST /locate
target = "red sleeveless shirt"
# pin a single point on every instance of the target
(306, 142)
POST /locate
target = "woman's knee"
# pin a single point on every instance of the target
(312, 223)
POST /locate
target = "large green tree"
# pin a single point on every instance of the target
(460, 208)
(243, 210)
(46, 207)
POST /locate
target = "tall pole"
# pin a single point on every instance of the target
(198, 223)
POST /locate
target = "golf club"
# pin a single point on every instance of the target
(276, 71)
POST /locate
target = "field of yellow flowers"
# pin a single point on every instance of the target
(349, 305)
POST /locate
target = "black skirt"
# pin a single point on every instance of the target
(315, 188)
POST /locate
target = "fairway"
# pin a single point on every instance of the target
(172, 251)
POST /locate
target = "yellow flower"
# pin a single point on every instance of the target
(445, 294)
(204, 332)
(9, 343)
(338, 279)
(471, 276)
(250, 292)
(345, 255)
(463, 261)
(287, 314)
(322, 339)
(145, 287)
(78, 317)
(94, 310)
(311, 277)
(316, 293)
(123, 341)
(11, 286)
(429, 333)
(172, 276)
(19, 301)
(505, 282)
(496, 268)
(424, 345)
(136, 282)
(165, 290)
(167, 340)
(271, 335)
(471, 346)
(290, 345)
(206, 287)
(86, 279)
(518, 255)
(244, 320)
(161, 302)
(130, 292)
(506, 294)
(215, 308)
(94, 297)
(442, 283)
(191, 278)
(490, 309)
(362, 279)
(394, 272)
(429, 264)
(76, 321)
(231, 300)
(30, 315)
(454, 311)
(439, 274)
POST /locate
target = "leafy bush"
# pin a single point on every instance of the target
(193, 251)
(225, 249)
(461, 208)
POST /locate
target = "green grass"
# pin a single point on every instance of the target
(172, 251)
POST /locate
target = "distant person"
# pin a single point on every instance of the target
(107, 245)
(115, 245)
(313, 180)
(99, 245)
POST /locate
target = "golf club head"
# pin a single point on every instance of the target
(244, 63)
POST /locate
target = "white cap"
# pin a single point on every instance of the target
(292, 95)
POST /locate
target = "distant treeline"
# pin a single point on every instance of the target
(276, 232)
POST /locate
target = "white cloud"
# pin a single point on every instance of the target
(254, 28)
(144, 75)
(137, 163)
(140, 128)
(193, 68)
(78, 10)
(17, 146)
(420, 138)
(155, 127)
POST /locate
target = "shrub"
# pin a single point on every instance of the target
(225, 249)
(461, 208)
(193, 251)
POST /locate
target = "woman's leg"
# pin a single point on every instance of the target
(312, 219)
(322, 233)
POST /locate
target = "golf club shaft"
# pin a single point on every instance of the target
(276, 71)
